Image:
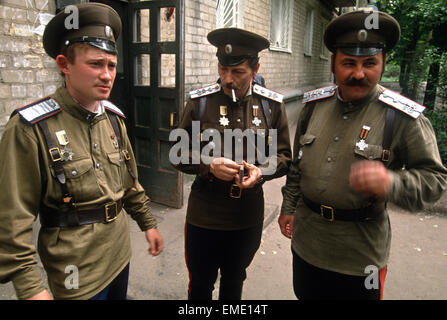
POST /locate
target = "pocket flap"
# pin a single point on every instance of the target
(372, 152)
(307, 139)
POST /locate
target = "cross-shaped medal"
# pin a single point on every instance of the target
(362, 145)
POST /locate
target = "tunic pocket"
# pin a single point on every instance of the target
(113, 172)
(371, 152)
(81, 180)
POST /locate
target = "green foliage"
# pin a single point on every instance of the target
(438, 119)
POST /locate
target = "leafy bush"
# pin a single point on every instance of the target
(438, 119)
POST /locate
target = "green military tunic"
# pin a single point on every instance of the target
(96, 174)
(209, 204)
(320, 172)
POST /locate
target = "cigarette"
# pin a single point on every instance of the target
(241, 173)
(234, 95)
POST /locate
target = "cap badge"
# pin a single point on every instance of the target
(228, 49)
(108, 31)
(362, 35)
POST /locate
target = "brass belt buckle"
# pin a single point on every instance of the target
(322, 210)
(126, 155)
(386, 154)
(111, 206)
(233, 194)
(55, 154)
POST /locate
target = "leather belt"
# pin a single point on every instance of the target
(331, 214)
(54, 218)
(227, 188)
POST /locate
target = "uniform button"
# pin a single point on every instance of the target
(336, 138)
(238, 120)
(329, 159)
(74, 172)
(95, 145)
(98, 165)
(345, 117)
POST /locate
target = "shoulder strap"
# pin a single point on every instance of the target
(267, 112)
(310, 109)
(116, 129)
(202, 107)
(56, 159)
(388, 134)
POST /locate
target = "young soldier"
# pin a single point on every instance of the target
(67, 157)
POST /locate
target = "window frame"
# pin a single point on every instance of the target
(282, 28)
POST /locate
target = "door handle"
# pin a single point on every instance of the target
(172, 118)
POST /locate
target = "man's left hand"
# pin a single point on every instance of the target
(370, 177)
(254, 175)
(155, 241)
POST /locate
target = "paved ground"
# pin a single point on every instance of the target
(417, 267)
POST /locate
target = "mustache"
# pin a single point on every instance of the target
(355, 82)
(231, 86)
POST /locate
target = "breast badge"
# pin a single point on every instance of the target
(62, 138)
(223, 119)
(362, 145)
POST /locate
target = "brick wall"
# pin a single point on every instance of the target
(282, 70)
(26, 72)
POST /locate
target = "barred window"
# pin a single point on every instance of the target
(230, 13)
(281, 20)
(309, 32)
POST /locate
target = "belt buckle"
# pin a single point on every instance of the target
(126, 155)
(111, 205)
(56, 153)
(386, 154)
(235, 195)
(323, 208)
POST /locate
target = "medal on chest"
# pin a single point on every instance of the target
(62, 138)
(223, 119)
(256, 121)
(362, 145)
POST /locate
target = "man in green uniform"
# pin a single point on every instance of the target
(226, 207)
(364, 145)
(68, 159)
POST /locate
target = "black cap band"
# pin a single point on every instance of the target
(106, 45)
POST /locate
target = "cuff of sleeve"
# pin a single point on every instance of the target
(147, 222)
(394, 185)
(28, 283)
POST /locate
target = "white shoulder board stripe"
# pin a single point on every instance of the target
(318, 94)
(39, 110)
(204, 91)
(108, 105)
(268, 93)
(413, 109)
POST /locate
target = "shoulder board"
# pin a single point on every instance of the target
(39, 110)
(112, 108)
(401, 103)
(205, 91)
(268, 93)
(318, 94)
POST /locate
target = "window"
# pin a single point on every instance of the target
(230, 13)
(281, 21)
(308, 32)
(324, 52)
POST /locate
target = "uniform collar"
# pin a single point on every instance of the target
(70, 105)
(357, 104)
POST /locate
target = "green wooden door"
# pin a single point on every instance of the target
(156, 61)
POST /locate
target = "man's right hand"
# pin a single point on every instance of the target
(224, 169)
(43, 295)
(285, 222)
